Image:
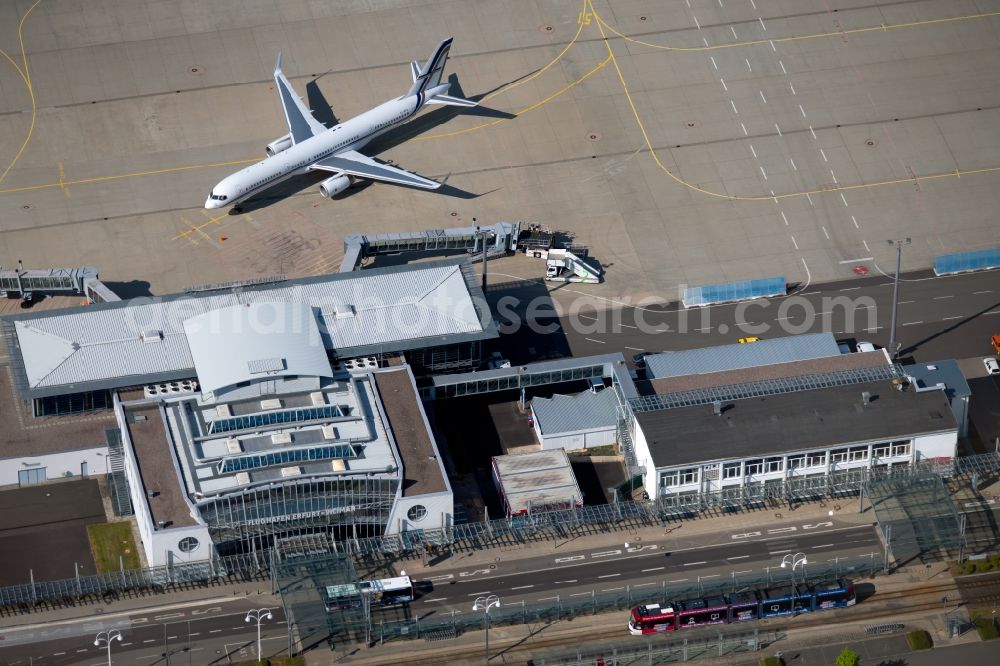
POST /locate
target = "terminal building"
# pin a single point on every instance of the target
(253, 413)
(742, 419)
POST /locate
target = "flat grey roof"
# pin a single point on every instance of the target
(21, 434)
(363, 312)
(160, 480)
(572, 413)
(776, 424)
(537, 479)
(423, 472)
(940, 372)
(736, 356)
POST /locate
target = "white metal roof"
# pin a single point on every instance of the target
(738, 356)
(573, 413)
(364, 312)
(254, 341)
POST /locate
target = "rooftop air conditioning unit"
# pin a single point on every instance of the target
(152, 336)
(233, 445)
(330, 432)
(338, 465)
(317, 398)
(223, 411)
(281, 438)
(273, 403)
(291, 471)
(243, 478)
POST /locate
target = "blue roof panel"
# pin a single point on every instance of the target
(740, 356)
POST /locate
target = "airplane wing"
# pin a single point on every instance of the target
(301, 124)
(354, 163)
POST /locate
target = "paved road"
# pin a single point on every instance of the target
(665, 562)
(938, 317)
(201, 634)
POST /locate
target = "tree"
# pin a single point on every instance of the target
(848, 657)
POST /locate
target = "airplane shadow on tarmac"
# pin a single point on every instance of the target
(428, 121)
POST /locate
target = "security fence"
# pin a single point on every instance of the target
(387, 626)
(556, 525)
(650, 651)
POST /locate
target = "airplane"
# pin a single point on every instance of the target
(309, 146)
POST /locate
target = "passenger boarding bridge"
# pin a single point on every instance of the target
(20, 283)
(502, 238)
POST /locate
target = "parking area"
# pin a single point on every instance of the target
(43, 530)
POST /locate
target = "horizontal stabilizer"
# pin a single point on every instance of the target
(451, 101)
(414, 70)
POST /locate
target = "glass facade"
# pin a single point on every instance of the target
(274, 418)
(243, 463)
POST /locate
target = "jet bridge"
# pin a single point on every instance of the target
(501, 238)
(18, 282)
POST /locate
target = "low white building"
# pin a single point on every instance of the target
(536, 482)
(577, 421)
(766, 424)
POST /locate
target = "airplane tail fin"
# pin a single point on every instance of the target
(429, 75)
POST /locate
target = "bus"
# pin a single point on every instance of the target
(740, 607)
(382, 592)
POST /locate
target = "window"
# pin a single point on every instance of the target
(773, 465)
(838, 455)
(668, 479)
(187, 545)
(755, 466)
(881, 451)
(795, 462)
(416, 513)
(678, 477)
(689, 475)
(816, 458)
(900, 448)
(731, 470)
(858, 453)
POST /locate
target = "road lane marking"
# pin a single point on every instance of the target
(215, 631)
(661, 568)
(574, 558)
(168, 616)
(612, 589)
(738, 557)
(709, 576)
(779, 552)
(855, 261)
(985, 291)
(153, 640)
(779, 530)
(911, 323)
(553, 598)
(634, 348)
(522, 587)
(193, 633)
(677, 580)
(905, 302)
(747, 571)
(609, 575)
(476, 594)
(643, 584)
(441, 577)
(465, 574)
(941, 298)
(580, 594)
(559, 582)
(951, 318)
(825, 545)
(691, 564)
(606, 553)
(428, 601)
(598, 341)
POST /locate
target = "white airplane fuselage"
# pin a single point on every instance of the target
(349, 135)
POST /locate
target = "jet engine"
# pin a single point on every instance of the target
(278, 145)
(334, 186)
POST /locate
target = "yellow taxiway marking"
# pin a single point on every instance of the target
(62, 179)
(25, 74)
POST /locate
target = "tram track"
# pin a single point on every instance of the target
(878, 606)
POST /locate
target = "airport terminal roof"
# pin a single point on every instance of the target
(112, 345)
(796, 421)
(736, 356)
(253, 341)
(573, 413)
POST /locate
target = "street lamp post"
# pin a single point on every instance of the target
(107, 637)
(485, 604)
(259, 615)
(898, 244)
(796, 560)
